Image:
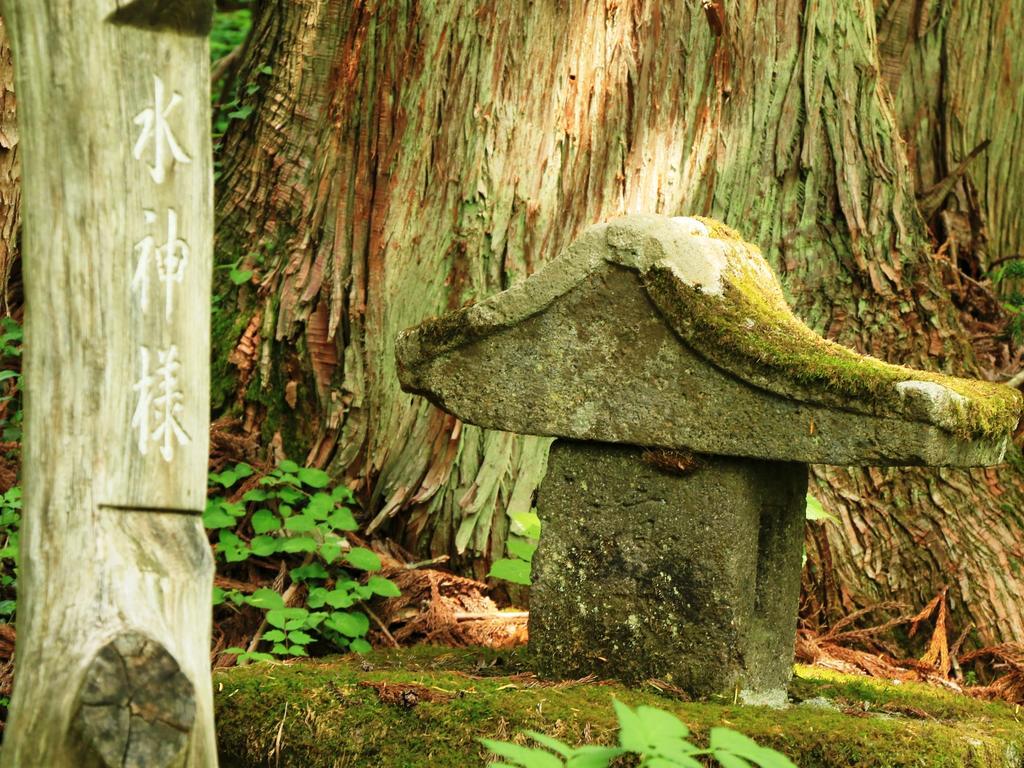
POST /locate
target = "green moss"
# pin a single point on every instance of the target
(319, 714)
(752, 332)
(226, 328)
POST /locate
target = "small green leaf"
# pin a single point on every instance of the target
(343, 520)
(521, 548)
(732, 741)
(265, 598)
(600, 757)
(551, 743)
(531, 757)
(526, 524)
(233, 508)
(310, 571)
(288, 466)
(264, 521)
(274, 636)
(663, 723)
(300, 524)
(263, 546)
(241, 113)
(297, 544)
(330, 550)
(231, 547)
(257, 494)
(300, 638)
(282, 617)
(240, 276)
(362, 592)
(339, 598)
(214, 518)
(735, 746)
(291, 495)
(817, 512)
(320, 506)
(348, 624)
(359, 645)
(633, 735)
(516, 571)
(384, 587)
(226, 478)
(342, 493)
(314, 478)
(363, 559)
(266, 69)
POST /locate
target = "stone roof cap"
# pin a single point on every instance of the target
(674, 332)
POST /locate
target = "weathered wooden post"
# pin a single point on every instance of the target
(115, 581)
(674, 334)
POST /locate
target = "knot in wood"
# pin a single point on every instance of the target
(136, 707)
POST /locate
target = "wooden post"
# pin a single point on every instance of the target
(114, 588)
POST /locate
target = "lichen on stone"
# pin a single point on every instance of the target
(749, 329)
(719, 298)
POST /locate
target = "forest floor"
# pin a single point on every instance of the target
(430, 705)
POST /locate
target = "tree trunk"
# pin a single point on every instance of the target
(957, 78)
(10, 186)
(115, 572)
(404, 159)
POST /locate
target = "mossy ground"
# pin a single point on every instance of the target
(324, 715)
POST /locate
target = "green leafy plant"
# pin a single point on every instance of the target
(521, 544)
(10, 424)
(658, 739)
(294, 514)
(10, 379)
(1008, 278)
(236, 274)
(10, 522)
(229, 31)
(816, 512)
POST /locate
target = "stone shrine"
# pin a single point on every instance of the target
(687, 400)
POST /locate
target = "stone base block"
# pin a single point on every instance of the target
(688, 577)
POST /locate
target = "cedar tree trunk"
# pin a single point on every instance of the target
(10, 188)
(401, 158)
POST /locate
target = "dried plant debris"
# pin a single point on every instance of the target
(230, 444)
(406, 695)
(996, 672)
(439, 607)
(673, 461)
(1007, 663)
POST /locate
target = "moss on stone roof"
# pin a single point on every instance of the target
(719, 294)
(750, 330)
